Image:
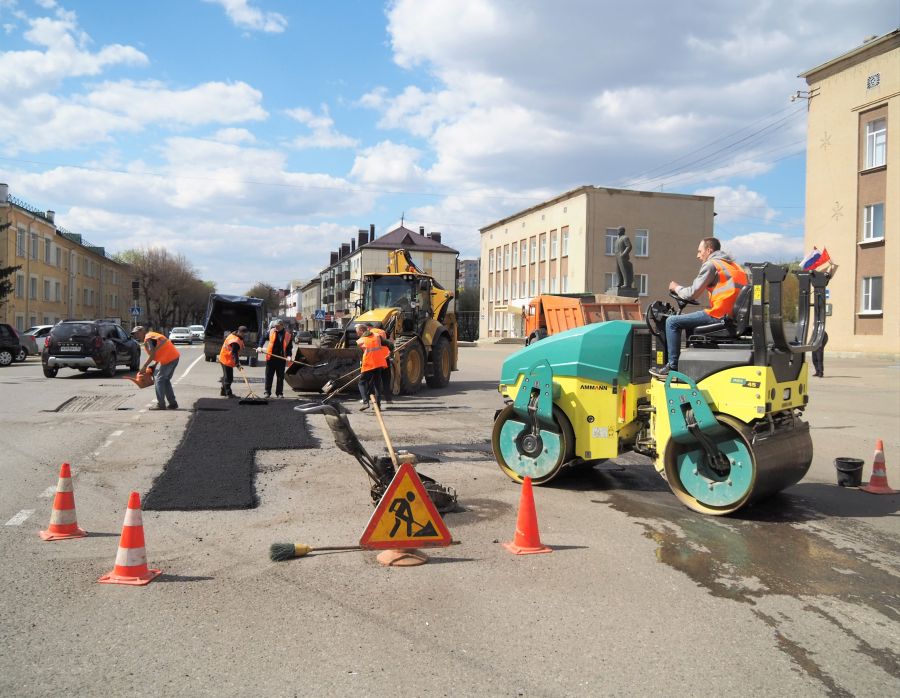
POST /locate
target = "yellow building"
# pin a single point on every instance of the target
(567, 245)
(853, 191)
(61, 275)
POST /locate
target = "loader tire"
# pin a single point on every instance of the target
(440, 364)
(412, 368)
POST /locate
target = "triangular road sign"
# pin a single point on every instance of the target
(405, 517)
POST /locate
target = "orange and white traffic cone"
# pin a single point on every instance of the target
(527, 540)
(131, 559)
(63, 521)
(879, 482)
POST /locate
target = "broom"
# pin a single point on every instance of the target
(279, 552)
(252, 398)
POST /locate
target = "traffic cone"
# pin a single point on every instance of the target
(879, 482)
(63, 522)
(527, 540)
(131, 559)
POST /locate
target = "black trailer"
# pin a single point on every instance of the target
(225, 314)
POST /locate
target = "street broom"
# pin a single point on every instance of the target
(252, 398)
(279, 552)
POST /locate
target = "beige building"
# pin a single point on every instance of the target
(853, 191)
(367, 254)
(310, 302)
(62, 276)
(567, 245)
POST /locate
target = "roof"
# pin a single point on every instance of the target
(875, 47)
(408, 239)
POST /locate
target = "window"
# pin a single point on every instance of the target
(565, 242)
(491, 260)
(552, 284)
(524, 252)
(565, 284)
(522, 288)
(532, 255)
(873, 222)
(543, 285)
(58, 257)
(876, 143)
(20, 242)
(871, 295)
(56, 293)
(543, 247)
(641, 243)
(506, 257)
(554, 240)
(34, 246)
(642, 284)
(515, 254)
(609, 280)
(47, 290)
(32, 288)
(20, 285)
(612, 234)
(48, 250)
(531, 287)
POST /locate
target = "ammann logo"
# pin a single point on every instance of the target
(588, 386)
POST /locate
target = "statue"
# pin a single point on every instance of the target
(623, 252)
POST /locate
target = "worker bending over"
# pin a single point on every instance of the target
(374, 359)
(229, 357)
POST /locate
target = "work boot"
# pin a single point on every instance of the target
(154, 408)
(173, 405)
(364, 407)
(267, 395)
(660, 372)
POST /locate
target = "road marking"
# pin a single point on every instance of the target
(107, 444)
(49, 492)
(188, 369)
(20, 518)
(117, 432)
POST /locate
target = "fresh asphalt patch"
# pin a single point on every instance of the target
(214, 465)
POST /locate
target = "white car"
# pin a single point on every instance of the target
(197, 331)
(181, 334)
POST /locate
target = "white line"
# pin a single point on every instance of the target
(188, 369)
(107, 444)
(20, 518)
(49, 492)
(117, 432)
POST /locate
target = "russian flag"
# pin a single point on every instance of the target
(815, 259)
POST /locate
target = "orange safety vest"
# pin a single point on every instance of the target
(285, 344)
(730, 279)
(384, 348)
(166, 352)
(373, 355)
(226, 357)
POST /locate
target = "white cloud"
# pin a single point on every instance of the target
(244, 16)
(763, 247)
(387, 163)
(736, 203)
(322, 127)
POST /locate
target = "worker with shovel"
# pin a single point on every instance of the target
(374, 359)
(229, 357)
(164, 353)
(278, 349)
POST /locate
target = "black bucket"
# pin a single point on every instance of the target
(849, 471)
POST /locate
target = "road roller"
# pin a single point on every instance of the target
(724, 430)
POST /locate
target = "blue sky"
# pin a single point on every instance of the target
(254, 136)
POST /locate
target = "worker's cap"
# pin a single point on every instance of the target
(275, 323)
(242, 329)
(138, 329)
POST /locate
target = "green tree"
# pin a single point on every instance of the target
(467, 300)
(6, 284)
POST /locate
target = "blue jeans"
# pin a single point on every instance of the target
(675, 324)
(163, 375)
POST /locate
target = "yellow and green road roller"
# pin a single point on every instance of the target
(724, 430)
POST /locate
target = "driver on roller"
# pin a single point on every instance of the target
(722, 279)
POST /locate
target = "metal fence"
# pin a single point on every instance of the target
(467, 321)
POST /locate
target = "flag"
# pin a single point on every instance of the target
(811, 261)
(824, 258)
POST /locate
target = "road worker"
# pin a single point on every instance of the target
(229, 357)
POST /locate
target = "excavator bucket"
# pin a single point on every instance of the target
(313, 367)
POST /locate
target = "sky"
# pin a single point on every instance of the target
(255, 136)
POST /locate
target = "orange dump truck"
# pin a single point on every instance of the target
(547, 315)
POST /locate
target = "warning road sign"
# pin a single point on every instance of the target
(405, 517)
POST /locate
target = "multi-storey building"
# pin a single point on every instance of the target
(853, 191)
(310, 303)
(567, 245)
(469, 274)
(367, 254)
(61, 275)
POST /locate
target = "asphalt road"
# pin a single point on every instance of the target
(798, 596)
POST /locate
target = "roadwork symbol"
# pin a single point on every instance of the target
(405, 517)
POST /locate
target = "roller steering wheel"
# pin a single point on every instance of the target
(683, 301)
(655, 316)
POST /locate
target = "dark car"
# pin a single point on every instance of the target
(85, 344)
(10, 346)
(303, 337)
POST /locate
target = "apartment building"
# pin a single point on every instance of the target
(469, 274)
(367, 254)
(853, 191)
(310, 302)
(567, 245)
(61, 275)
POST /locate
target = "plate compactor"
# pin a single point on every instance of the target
(724, 430)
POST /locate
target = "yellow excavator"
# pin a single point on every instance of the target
(408, 304)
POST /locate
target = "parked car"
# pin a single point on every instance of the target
(85, 344)
(181, 334)
(33, 339)
(10, 346)
(303, 337)
(196, 331)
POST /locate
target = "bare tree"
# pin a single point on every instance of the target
(270, 295)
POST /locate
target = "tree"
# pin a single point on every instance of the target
(467, 300)
(6, 285)
(271, 296)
